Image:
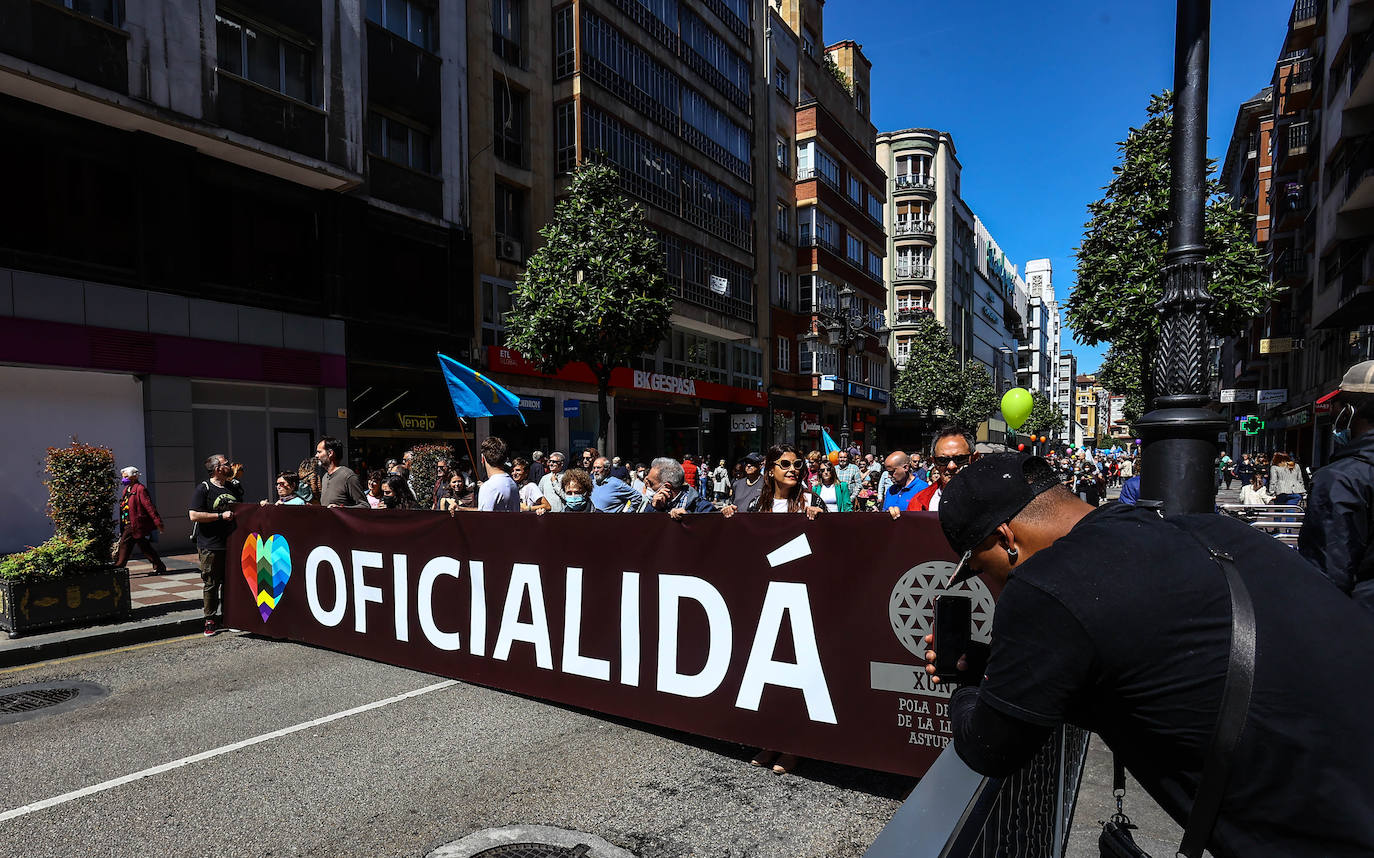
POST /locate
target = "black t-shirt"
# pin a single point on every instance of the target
(213, 535)
(745, 494)
(1123, 626)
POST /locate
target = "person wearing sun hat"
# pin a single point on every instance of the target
(1335, 531)
(1119, 621)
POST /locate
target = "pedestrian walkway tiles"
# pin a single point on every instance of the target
(146, 590)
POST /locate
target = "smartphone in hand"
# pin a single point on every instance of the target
(953, 632)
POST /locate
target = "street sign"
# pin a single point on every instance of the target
(746, 422)
(572, 408)
(1238, 394)
(1276, 396)
(1280, 345)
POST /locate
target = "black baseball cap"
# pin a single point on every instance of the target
(987, 493)
(755, 459)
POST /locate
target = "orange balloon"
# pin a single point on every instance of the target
(834, 457)
(1042, 439)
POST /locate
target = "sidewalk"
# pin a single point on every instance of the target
(161, 606)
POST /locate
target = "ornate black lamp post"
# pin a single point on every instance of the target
(846, 326)
(1180, 434)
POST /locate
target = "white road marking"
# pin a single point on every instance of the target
(205, 755)
(794, 550)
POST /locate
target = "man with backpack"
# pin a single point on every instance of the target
(1335, 532)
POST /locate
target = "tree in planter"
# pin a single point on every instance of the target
(597, 290)
(81, 502)
(1045, 418)
(932, 380)
(1121, 259)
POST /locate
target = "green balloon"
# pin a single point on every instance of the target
(1016, 406)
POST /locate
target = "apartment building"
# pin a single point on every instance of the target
(835, 206)
(1320, 204)
(1066, 391)
(1037, 360)
(235, 214)
(930, 245)
(666, 91)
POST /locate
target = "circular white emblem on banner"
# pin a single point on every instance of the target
(911, 608)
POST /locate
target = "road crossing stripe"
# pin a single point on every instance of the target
(206, 755)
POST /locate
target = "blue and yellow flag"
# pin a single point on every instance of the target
(475, 395)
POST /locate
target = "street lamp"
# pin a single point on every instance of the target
(846, 325)
(1180, 434)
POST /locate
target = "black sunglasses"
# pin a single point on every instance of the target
(943, 461)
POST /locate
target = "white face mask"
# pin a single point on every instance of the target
(1342, 433)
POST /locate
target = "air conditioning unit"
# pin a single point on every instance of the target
(509, 249)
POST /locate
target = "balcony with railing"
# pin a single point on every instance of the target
(1297, 89)
(811, 239)
(806, 174)
(1290, 205)
(820, 295)
(1290, 268)
(1359, 178)
(911, 315)
(1302, 25)
(915, 182)
(916, 227)
(913, 270)
(1361, 82)
(1297, 141)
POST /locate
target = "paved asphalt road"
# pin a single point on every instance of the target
(400, 779)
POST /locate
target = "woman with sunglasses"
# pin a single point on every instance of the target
(783, 487)
(782, 492)
(833, 491)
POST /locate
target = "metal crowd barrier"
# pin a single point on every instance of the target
(1281, 521)
(956, 813)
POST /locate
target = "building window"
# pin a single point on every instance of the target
(784, 220)
(103, 10)
(782, 81)
(407, 19)
(565, 130)
(861, 101)
(855, 249)
(875, 208)
(808, 42)
(510, 107)
(399, 141)
(247, 50)
(875, 265)
(784, 355)
(856, 190)
(714, 133)
(564, 53)
(783, 152)
(510, 211)
(495, 303)
(784, 296)
(746, 367)
(508, 30)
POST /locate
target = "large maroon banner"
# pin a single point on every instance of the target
(768, 630)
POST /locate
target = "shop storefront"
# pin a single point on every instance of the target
(389, 417)
(652, 414)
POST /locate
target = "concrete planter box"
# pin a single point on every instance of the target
(28, 606)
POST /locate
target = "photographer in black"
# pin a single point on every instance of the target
(1119, 621)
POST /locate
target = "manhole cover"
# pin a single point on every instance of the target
(20, 702)
(534, 850)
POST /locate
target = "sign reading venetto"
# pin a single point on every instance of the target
(746, 629)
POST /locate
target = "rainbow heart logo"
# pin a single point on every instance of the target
(267, 566)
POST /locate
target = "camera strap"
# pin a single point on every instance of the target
(1235, 706)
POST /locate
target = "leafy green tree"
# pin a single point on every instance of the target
(597, 290)
(1045, 418)
(932, 380)
(1121, 258)
(1121, 374)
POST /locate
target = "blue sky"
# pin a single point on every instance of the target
(1036, 96)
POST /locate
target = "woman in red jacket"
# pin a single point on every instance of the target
(137, 518)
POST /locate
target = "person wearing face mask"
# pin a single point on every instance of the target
(396, 493)
(137, 519)
(1335, 533)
